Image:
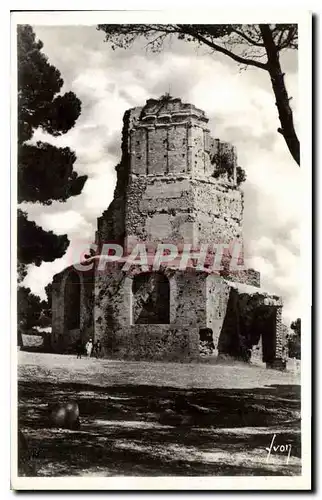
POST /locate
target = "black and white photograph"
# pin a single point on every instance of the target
(158, 197)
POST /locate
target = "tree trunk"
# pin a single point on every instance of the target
(282, 100)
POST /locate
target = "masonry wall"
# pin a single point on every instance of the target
(245, 276)
(217, 293)
(257, 353)
(160, 209)
(191, 310)
(114, 321)
(156, 343)
(219, 212)
(280, 359)
(197, 300)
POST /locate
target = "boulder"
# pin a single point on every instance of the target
(64, 415)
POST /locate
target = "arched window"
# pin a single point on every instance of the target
(151, 299)
(72, 301)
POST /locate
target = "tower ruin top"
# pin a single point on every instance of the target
(170, 110)
(169, 137)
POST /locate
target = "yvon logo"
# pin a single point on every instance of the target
(279, 448)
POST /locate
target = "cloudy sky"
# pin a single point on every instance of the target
(241, 109)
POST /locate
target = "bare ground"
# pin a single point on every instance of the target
(159, 419)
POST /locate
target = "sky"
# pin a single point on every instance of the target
(241, 109)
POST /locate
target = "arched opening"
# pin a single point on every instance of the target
(248, 320)
(151, 299)
(206, 342)
(72, 301)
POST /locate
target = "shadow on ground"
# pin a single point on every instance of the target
(155, 431)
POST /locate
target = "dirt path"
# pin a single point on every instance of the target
(38, 366)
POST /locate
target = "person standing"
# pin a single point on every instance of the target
(79, 348)
(89, 348)
(98, 348)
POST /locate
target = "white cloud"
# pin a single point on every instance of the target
(66, 221)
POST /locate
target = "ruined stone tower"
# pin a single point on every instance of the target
(167, 189)
(175, 185)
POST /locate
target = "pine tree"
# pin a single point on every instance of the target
(29, 312)
(294, 342)
(45, 172)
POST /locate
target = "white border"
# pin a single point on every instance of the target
(303, 18)
(159, 16)
(305, 134)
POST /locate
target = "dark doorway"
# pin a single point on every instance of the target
(72, 301)
(229, 338)
(268, 331)
(151, 299)
(206, 342)
(246, 320)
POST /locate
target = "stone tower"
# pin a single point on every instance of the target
(175, 185)
(169, 187)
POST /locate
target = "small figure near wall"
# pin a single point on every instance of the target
(79, 348)
(89, 348)
(97, 349)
